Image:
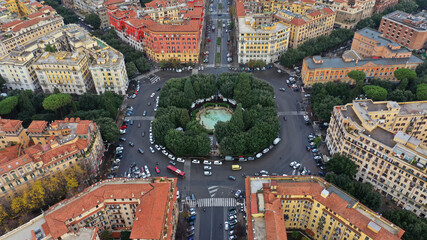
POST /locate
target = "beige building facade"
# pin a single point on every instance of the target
(388, 142)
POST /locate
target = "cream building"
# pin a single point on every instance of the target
(65, 71)
(17, 70)
(261, 41)
(388, 142)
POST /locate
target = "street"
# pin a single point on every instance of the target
(218, 187)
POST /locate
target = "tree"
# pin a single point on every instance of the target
(36, 195)
(189, 91)
(318, 141)
(421, 92)
(404, 75)
(50, 48)
(324, 108)
(242, 91)
(94, 20)
(414, 226)
(375, 93)
(57, 101)
(19, 205)
(399, 95)
(131, 69)
(237, 119)
(125, 235)
(341, 164)
(8, 104)
(142, 64)
(106, 235)
(2, 82)
(108, 128)
(358, 76)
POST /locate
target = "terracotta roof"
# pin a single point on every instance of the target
(15, 163)
(274, 223)
(135, 22)
(34, 15)
(328, 10)
(36, 4)
(9, 153)
(112, 7)
(240, 8)
(150, 213)
(47, 156)
(82, 127)
(190, 26)
(298, 21)
(315, 14)
(34, 149)
(113, 2)
(47, 9)
(37, 126)
(28, 23)
(81, 144)
(11, 24)
(10, 124)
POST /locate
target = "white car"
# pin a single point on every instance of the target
(152, 149)
(153, 94)
(157, 147)
(180, 160)
(226, 226)
(296, 166)
(265, 150)
(171, 157)
(217, 162)
(207, 173)
(165, 152)
(195, 161)
(292, 163)
(207, 162)
(207, 168)
(151, 141)
(258, 155)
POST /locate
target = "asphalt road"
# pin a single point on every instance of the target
(293, 133)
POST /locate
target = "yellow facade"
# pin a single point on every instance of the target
(264, 42)
(388, 142)
(15, 6)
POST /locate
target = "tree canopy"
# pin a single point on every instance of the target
(422, 92)
(341, 164)
(375, 93)
(253, 126)
(357, 75)
(8, 104)
(94, 20)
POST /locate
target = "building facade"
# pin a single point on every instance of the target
(406, 29)
(312, 205)
(311, 23)
(163, 30)
(43, 149)
(370, 52)
(65, 71)
(261, 41)
(381, 5)
(80, 63)
(388, 142)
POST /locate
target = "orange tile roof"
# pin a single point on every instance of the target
(135, 22)
(274, 221)
(298, 21)
(328, 10)
(15, 163)
(190, 26)
(47, 9)
(240, 8)
(34, 15)
(11, 24)
(315, 14)
(113, 2)
(47, 156)
(10, 124)
(150, 213)
(336, 204)
(36, 4)
(82, 128)
(112, 7)
(37, 126)
(9, 153)
(28, 23)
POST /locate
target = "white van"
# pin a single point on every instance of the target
(276, 141)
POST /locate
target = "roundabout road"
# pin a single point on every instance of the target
(293, 133)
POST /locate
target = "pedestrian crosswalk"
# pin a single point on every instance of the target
(140, 118)
(154, 78)
(291, 113)
(213, 202)
(212, 190)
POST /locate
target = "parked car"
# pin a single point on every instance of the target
(237, 194)
(232, 178)
(195, 161)
(207, 173)
(140, 150)
(157, 170)
(217, 162)
(207, 162)
(131, 144)
(207, 168)
(181, 160)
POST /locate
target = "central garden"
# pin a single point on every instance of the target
(237, 108)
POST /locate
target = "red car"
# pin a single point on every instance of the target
(157, 170)
(123, 127)
(209, 39)
(136, 92)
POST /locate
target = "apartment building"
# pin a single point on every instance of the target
(307, 23)
(381, 5)
(27, 31)
(163, 30)
(312, 205)
(42, 149)
(265, 41)
(388, 142)
(370, 43)
(409, 30)
(82, 63)
(371, 53)
(349, 13)
(65, 71)
(17, 7)
(148, 208)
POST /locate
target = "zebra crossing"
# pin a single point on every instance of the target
(213, 202)
(291, 113)
(154, 78)
(140, 118)
(212, 190)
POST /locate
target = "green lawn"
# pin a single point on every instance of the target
(218, 41)
(220, 6)
(218, 57)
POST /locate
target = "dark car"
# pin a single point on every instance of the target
(158, 89)
(232, 178)
(284, 118)
(321, 173)
(308, 148)
(131, 144)
(123, 139)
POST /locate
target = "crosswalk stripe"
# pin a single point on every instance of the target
(213, 202)
(212, 190)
